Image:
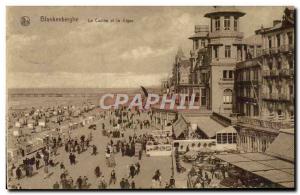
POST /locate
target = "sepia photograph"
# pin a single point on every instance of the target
(150, 98)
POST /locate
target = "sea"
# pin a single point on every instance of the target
(26, 98)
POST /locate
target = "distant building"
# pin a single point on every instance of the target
(181, 70)
(200, 61)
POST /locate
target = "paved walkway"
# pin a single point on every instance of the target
(86, 164)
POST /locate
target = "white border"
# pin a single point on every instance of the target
(3, 5)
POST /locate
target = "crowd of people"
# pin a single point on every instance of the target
(114, 122)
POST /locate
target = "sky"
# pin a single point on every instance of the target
(106, 55)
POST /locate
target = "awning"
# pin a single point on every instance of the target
(283, 145)
(229, 129)
(268, 167)
(180, 126)
(207, 125)
(276, 176)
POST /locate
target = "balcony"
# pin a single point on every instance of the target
(270, 96)
(266, 51)
(275, 50)
(286, 72)
(274, 73)
(277, 96)
(217, 34)
(248, 82)
(282, 96)
(270, 73)
(257, 122)
(266, 73)
(286, 48)
(226, 80)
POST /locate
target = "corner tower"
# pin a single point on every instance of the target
(224, 38)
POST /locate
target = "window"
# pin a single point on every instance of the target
(248, 75)
(216, 51)
(224, 138)
(202, 43)
(227, 51)
(290, 38)
(230, 74)
(248, 110)
(203, 97)
(255, 111)
(226, 23)
(234, 138)
(217, 23)
(278, 40)
(196, 44)
(235, 23)
(270, 41)
(224, 74)
(219, 138)
(248, 91)
(230, 138)
(227, 96)
(255, 75)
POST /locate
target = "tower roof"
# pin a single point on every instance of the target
(200, 31)
(220, 10)
(180, 53)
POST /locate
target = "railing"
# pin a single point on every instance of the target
(274, 72)
(249, 63)
(259, 52)
(227, 79)
(266, 51)
(266, 73)
(286, 48)
(273, 96)
(286, 72)
(225, 33)
(221, 119)
(274, 50)
(277, 96)
(276, 125)
(283, 96)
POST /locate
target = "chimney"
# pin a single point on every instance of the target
(275, 22)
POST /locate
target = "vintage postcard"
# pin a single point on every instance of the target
(150, 97)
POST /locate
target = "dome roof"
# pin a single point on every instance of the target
(219, 10)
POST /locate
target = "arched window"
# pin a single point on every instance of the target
(227, 96)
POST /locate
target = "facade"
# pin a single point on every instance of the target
(216, 50)
(278, 68)
(264, 87)
(252, 77)
(200, 60)
(181, 71)
(248, 78)
(224, 38)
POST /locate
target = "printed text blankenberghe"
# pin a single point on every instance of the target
(58, 19)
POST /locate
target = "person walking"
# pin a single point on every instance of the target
(79, 182)
(113, 177)
(19, 173)
(132, 171)
(97, 171)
